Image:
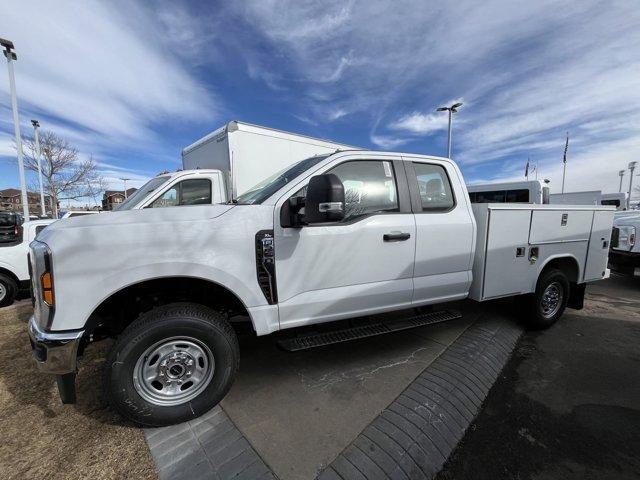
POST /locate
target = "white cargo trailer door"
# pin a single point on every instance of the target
(506, 264)
(598, 252)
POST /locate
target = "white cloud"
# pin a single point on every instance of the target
(100, 67)
(420, 123)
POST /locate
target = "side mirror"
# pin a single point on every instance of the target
(325, 199)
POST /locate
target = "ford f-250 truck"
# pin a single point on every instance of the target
(337, 236)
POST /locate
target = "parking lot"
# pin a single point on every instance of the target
(565, 405)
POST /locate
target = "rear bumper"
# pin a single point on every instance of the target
(54, 352)
(627, 263)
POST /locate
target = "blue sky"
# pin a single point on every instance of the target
(131, 84)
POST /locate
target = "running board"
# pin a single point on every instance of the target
(314, 340)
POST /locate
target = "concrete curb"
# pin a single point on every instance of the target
(411, 439)
(414, 436)
(208, 447)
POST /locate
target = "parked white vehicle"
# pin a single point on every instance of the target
(530, 191)
(335, 236)
(225, 164)
(14, 268)
(590, 197)
(78, 213)
(624, 257)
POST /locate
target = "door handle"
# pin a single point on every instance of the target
(396, 237)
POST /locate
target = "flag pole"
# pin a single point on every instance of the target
(564, 161)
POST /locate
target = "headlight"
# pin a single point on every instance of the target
(42, 283)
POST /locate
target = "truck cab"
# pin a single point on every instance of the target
(181, 188)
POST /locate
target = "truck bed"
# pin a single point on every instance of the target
(505, 263)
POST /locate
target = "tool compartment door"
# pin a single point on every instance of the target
(507, 267)
(598, 252)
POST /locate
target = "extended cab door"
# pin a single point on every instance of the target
(445, 231)
(358, 266)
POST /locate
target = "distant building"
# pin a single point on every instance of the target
(11, 199)
(112, 198)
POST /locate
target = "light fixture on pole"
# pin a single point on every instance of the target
(621, 173)
(632, 167)
(125, 186)
(36, 125)
(452, 109)
(11, 57)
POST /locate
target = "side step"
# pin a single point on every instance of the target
(314, 340)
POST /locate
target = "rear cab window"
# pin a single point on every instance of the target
(434, 187)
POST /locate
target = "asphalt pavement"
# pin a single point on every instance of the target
(567, 405)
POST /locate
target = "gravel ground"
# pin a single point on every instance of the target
(41, 438)
(567, 406)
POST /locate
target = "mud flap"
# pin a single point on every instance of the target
(576, 296)
(67, 387)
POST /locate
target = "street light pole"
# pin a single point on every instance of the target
(452, 109)
(632, 167)
(36, 125)
(11, 57)
(621, 173)
(125, 186)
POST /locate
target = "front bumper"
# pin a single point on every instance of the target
(54, 352)
(627, 263)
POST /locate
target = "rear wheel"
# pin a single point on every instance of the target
(8, 290)
(548, 302)
(171, 365)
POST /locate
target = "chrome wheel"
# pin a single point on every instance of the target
(3, 291)
(551, 300)
(173, 371)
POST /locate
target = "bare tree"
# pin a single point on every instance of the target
(65, 175)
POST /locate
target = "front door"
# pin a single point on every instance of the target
(349, 268)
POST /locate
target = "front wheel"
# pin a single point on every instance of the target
(8, 290)
(171, 365)
(550, 299)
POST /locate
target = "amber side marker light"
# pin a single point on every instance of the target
(47, 288)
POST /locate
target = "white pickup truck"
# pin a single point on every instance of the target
(14, 268)
(337, 236)
(624, 257)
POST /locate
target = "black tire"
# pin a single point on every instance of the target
(178, 320)
(8, 290)
(540, 314)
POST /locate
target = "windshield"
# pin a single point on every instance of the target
(142, 192)
(271, 185)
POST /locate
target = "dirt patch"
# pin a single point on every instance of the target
(41, 438)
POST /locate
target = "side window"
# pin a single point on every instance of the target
(195, 192)
(39, 228)
(434, 186)
(188, 192)
(369, 187)
(168, 198)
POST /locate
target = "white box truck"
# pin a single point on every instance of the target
(341, 235)
(247, 154)
(227, 163)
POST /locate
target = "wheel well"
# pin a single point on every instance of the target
(115, 313)
(567, 265)
(11, 275)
